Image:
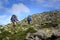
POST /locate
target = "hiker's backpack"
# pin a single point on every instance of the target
(29, 19)
(14, 18)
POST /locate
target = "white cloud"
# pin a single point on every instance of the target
(4, 20)
(19, 8)
(3, 16)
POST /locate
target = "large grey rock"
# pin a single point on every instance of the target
(45, 33)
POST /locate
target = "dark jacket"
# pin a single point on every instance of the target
(14, 18)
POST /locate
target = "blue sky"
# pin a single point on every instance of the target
(23, 8)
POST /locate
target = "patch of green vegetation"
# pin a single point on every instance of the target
(20, 35)
(46, 25)
(57, 21)
(25, 26)
(4, 33)
(31, 30)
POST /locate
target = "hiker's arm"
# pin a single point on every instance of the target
(17, 18)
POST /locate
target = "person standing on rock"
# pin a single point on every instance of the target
(14, 20)
(29, 19)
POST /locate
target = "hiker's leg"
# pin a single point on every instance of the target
(14, 24)
(28, 22)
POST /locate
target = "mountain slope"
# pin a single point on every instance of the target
(43, 26)
(52, 18)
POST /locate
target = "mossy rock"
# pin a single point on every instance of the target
(31, 30)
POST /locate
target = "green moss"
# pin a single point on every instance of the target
(19, 36)
(31, 30)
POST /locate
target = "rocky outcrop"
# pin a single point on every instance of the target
(44, 34)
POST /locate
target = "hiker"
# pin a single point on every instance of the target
(29, 19)
(14, 20)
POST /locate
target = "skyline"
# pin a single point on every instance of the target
(23, 8)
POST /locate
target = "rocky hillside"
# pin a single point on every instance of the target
(45, 19)
(44, 26)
